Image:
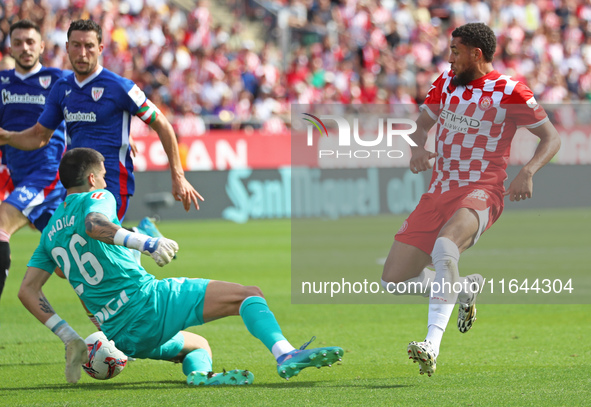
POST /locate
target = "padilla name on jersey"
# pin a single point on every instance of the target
(475, 126)
(22, 100)
(98, 114)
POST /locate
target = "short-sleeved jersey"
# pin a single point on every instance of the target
(23, 100)
(475, 126)
(98, 114)
(106, 277)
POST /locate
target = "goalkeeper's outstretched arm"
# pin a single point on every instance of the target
(99, 227)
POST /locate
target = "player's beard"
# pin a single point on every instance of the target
(27, 67)
(464, 78)
(87, 70)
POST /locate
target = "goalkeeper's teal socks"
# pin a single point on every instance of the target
(261, 323)
(197, 361)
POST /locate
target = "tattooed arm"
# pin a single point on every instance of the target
(161, 249)
(99, 227)
(34, 300)
(31, 294)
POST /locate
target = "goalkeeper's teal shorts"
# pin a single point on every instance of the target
(172, 304)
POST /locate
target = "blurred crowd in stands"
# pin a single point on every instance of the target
(340, 51)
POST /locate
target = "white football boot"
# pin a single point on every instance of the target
(423, 353)
(467, 310)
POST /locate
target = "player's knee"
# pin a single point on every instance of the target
(252, 291)
(194, 341)
(203, 343)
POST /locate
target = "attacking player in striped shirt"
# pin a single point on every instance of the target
(477, 111)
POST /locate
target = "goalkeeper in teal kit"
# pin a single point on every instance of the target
(145, 317)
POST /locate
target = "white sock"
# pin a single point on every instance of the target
(419, 285)
(445, 257)
(281, 347)
(434, 335)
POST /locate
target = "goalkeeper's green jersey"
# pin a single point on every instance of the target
(106, 277)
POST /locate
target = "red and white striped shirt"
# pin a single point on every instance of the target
(475, 126)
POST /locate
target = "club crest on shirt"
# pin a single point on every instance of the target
(45, 81)
(97, 93)
(485, 103)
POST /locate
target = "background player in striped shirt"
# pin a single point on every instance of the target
(23, 91)
(477, 111)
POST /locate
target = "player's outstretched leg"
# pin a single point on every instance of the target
(261, 323)
(467, 307)
(76, 356)
(290, 364)
(423, 353)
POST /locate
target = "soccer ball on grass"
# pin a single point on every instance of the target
(105, 361)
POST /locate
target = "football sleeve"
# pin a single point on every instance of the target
(525, 109)
(102, 201)
(140, 105)
(41, 258)
(52, 114)
(432, 104)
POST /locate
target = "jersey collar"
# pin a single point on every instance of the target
(91, 77)
(480, 81)
(22, 77)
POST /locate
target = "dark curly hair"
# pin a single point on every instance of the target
(86, 25)
(478, 35)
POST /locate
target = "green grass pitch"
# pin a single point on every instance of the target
(518, 355)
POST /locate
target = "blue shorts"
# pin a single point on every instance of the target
(173, 304)
(37, 199)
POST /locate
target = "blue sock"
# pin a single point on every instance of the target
(260, 321)
(197, 360)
